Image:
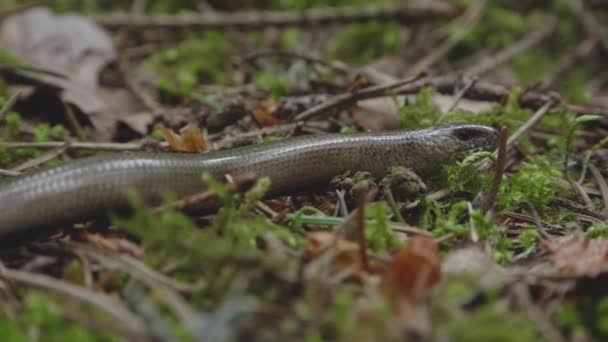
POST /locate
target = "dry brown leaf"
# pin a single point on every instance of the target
(264, 115)
(577, 255)
(190, 139)
(347, 252)
(416, 267)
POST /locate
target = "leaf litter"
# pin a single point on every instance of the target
(319, 264)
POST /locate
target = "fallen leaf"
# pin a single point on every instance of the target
(70, 45)
(577, 255)
(190, 139)
(264, 115)
(76, 47)
(416, 267)
(347, 252)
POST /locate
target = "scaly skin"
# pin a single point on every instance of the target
(90, 186)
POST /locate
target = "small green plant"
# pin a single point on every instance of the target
(196, 60)
(361, 43)
(533, 182)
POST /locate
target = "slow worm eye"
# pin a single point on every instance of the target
(465, 133)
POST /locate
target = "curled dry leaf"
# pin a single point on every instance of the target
(347, 252)
(416, 267)
(265, 114)
(190, 139)
(577, 255)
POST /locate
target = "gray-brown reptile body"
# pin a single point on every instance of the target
(86, 187)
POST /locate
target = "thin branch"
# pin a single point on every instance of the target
(514, 50)
(462, 26)
(343, 99)
(101, 301)
(601, 183)
(411, 11)
(334, 65)
(499, 170)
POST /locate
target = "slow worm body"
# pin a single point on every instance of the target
(90, 186)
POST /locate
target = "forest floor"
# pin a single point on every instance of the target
(507, 245)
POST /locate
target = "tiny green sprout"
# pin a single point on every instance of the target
(423, 113)
(533, 182)
(528, 237)
(570, 137)
(275, 84)
(599, 230)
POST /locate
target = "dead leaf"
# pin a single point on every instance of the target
(70, 45)
(416, 267)
(190, 139)
(76, 47)
(264, 115)
(347, 252)
(577, 255)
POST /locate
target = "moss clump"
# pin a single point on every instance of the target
(42, 316)
(533, 182)
(362, 43)
(194, 61)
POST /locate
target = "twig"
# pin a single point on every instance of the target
(334, 65)
(486, 91)
(48, 156)
(568, 61)
(536, 220)
(534, 119)
(459, 96)
(343, 99)
(99, 300)
(601, 183)
(463, 25)
(514, 50)
(544, 324)
(9, 173)
(499, 170)
(361, 230)
(74, 145)
(589, 21)
(409, 11)
(9, 103)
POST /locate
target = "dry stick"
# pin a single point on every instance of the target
(9, 173)
(48, 156)
(361, 230)
(514, 50)
(534, 119)
(499, 170)
(343, 99)
(9, 103)
(601, 183)
(468, 20)
(536, 315)
(334, 65)
(590, 22)
(536, 220)
(460, 95)
(156, 281)
(486, 91)
(74, 145)
(568, 61)
(406, 11)
(107, 304)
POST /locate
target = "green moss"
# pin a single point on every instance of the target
(378, 234)
(528, 237)
(362, 43)
(194, 61)
(422, 113)
(275, 84)
(533, 183)
(489, 324)
(42, 314)
(462, 176)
